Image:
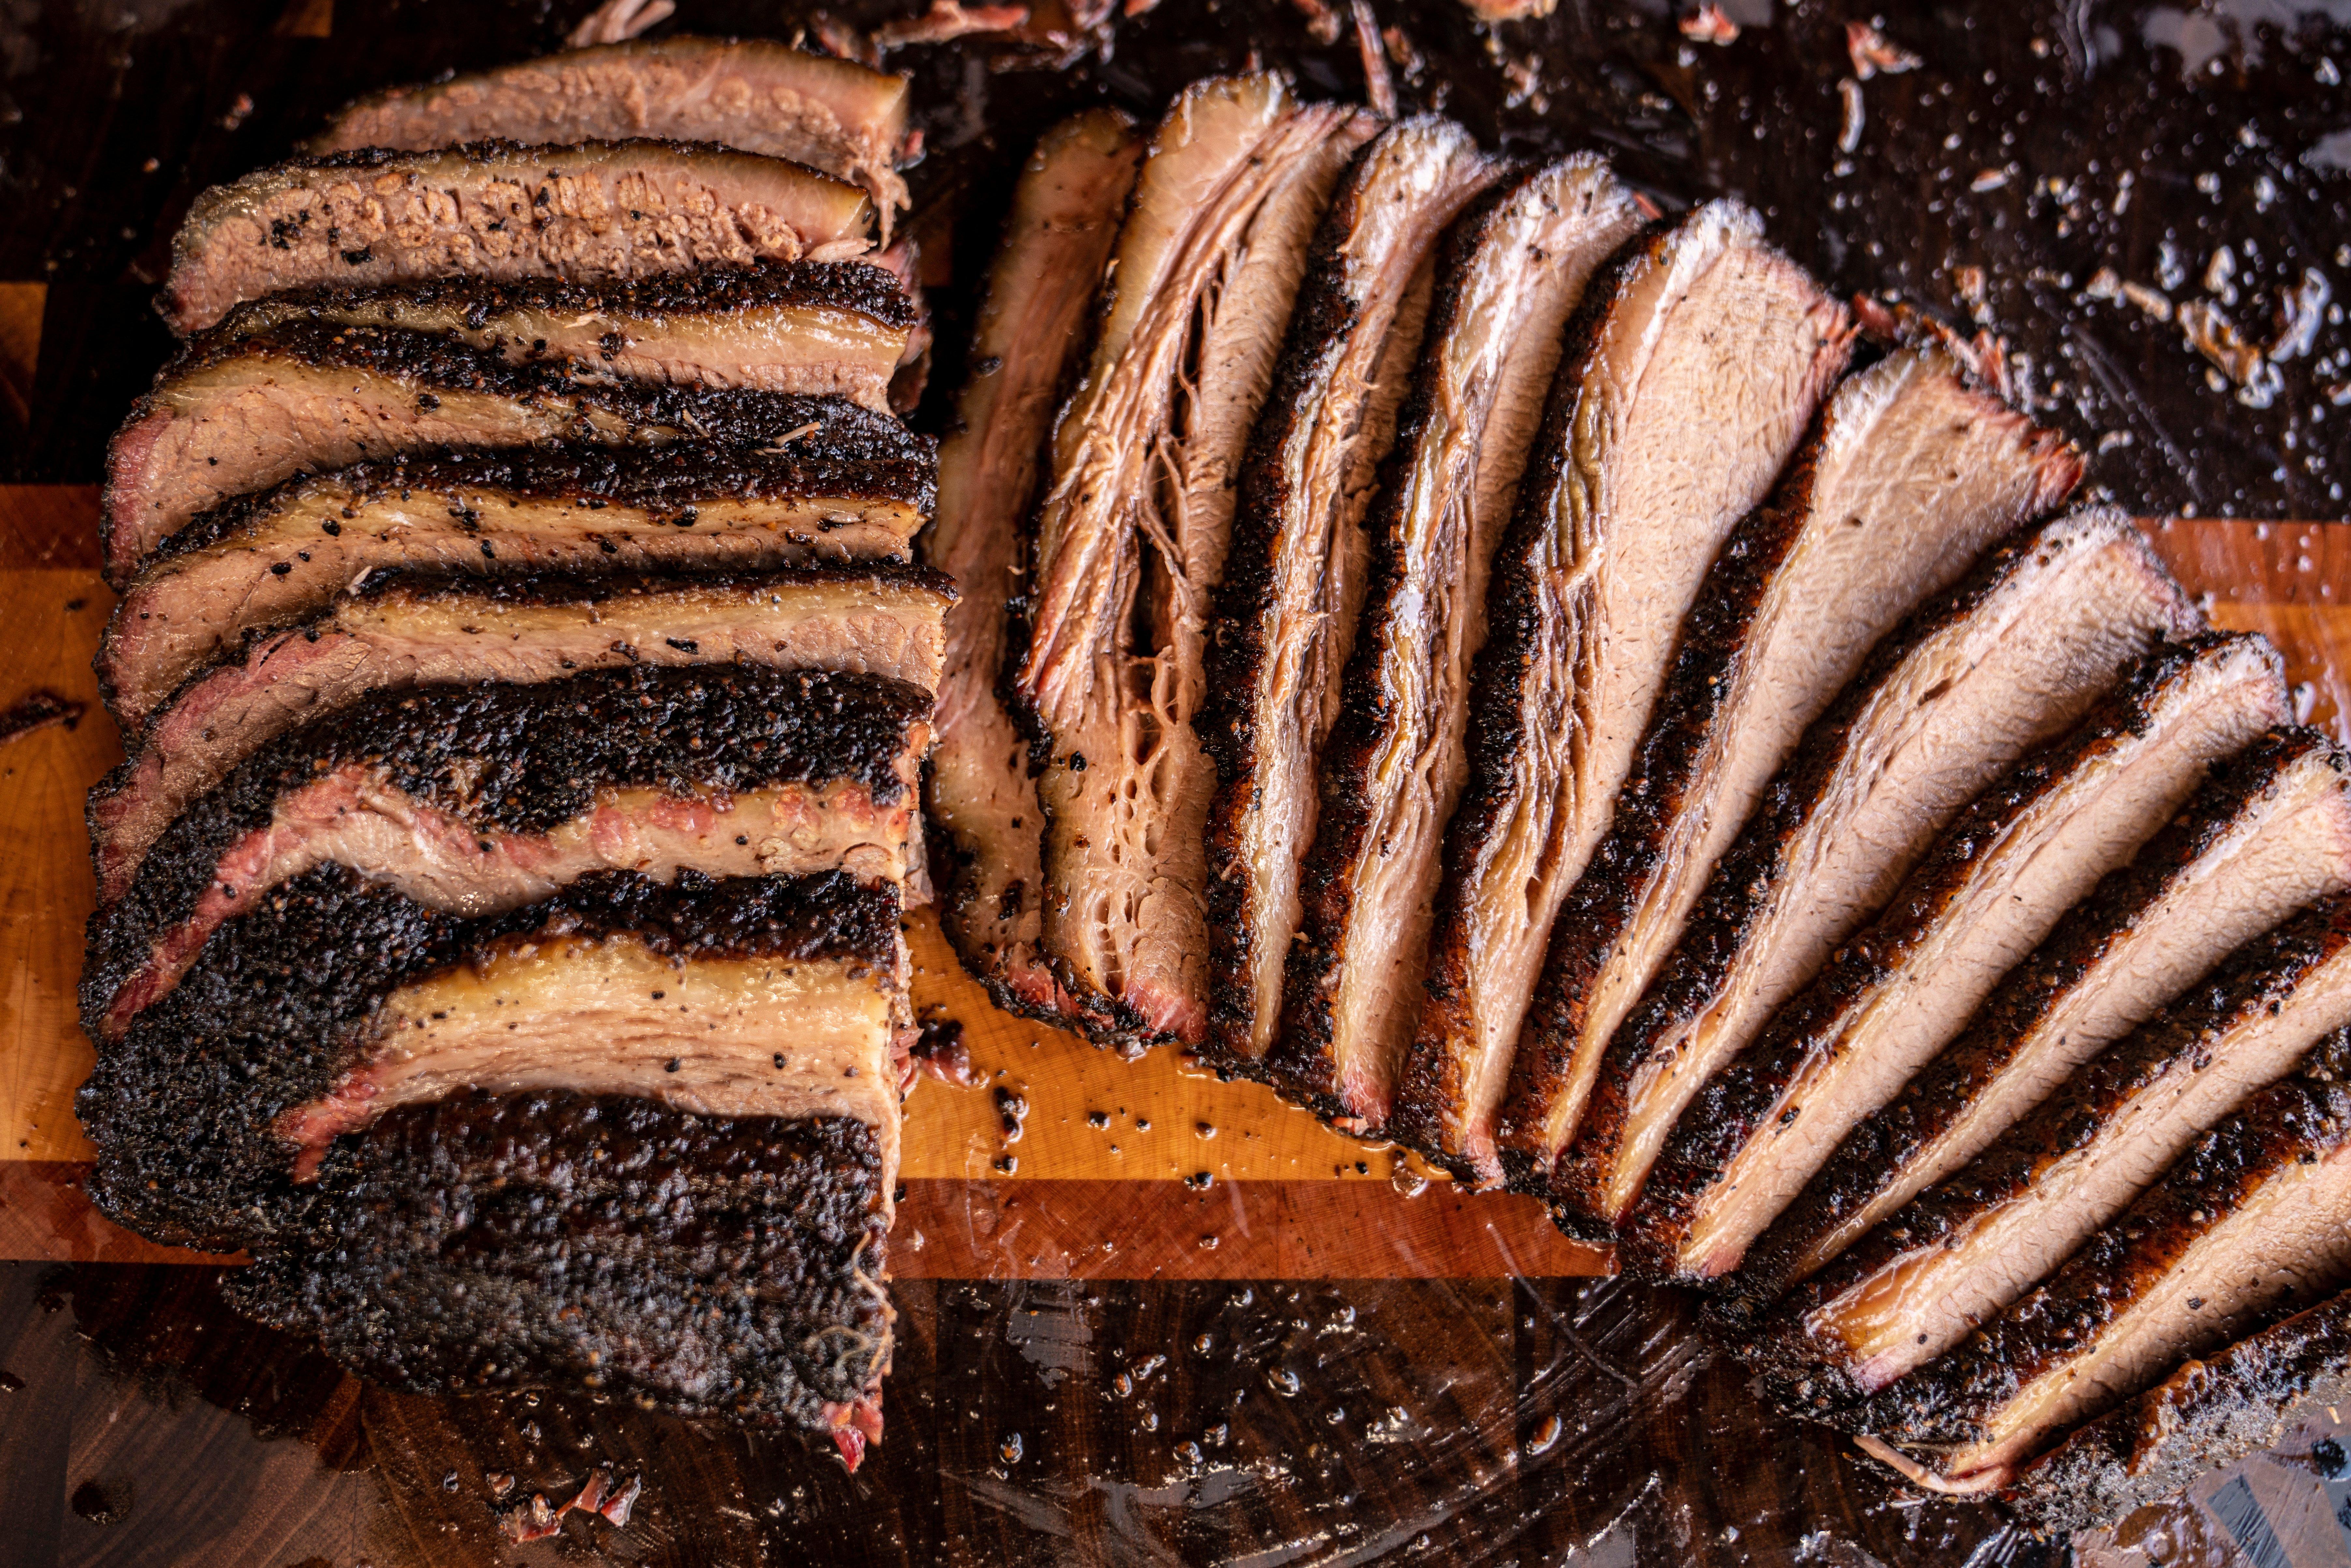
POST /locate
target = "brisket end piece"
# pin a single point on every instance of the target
(1030, 338)
(481, 799)
(1129, 542)
(727, 1266)
(1511, 274)
(1894, 995)
(1625, 503)
(1294, 581)
(336, 1000)
(2209, 1413)
(2002, 663)
(2269, 832)
(1910, 473)
(748, 93)
(1959, 1252)
(503, 210)
(2251, 1225)
(855, 491)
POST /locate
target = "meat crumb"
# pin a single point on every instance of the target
(947, 19)
(1872, 52)
(1707, 24)
(618, 21)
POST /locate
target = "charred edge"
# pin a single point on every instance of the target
(489, 1243)
(2258, 977)
(1886, 1144)
(267, 1018)
(525, 759)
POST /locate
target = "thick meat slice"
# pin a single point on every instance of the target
(312, 1015)
(728, 1266)
(480, 799)
(1954, 1256)
(2253, 1225)
(1895, 994)
(1293, 582)
(402, 630)
(281, 557)
(230, 418)
(1909, 475)
(1030, 337)
(2007, 660)
(1130, 540)
(748, 93)
(2209, 1413)
(1628, 499)
(2269, 832)
(503, 210)
(1395, 763)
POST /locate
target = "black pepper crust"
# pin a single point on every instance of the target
(1731, 1108)
(2207, 1414)
(1876, 1153)
(721, 1266)
(525, 760)
(2304, 1119)
(277, 1006)
(1724, 918)
(1804, 1376)
(1299, 1065)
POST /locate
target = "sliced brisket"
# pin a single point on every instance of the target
(1627, 501)
(1294, 580)
(2005, 660)
(1511, 274)
(1909, 473)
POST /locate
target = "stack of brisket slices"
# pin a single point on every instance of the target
(1523, 679)
(526, 682)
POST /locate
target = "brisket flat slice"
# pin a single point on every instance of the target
(1626, 502)
(1031, 335)
(1395, 763)
(2007, 660)
(1294, 577)
(841, 493)
(1909, 473)
(1897, 993)
(231, 417)
(2209, 1413)
(1956, 1255)
(2269, 832)
(480, 799)
(747, 93)
(338, 1000)
(402, 630)
(727, 1266)
(2251, 1225)
(1129, 541)
(503, 210)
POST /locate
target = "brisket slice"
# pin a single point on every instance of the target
(2000, 663)
(402, 630)
(1030, 338)
(282, 557)
(2251, 1225)
(1294, 581)
(1964, 1249)
(1626, 502)
(1129, 541)
(479, 799)
(311, 1015)
(747, 93)
(1909, 473)
(2270, 832)
(229, 418)
(2209, 1413)
(1395, 762)
(503, 210)
(729, 1266)
(1894, 994)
